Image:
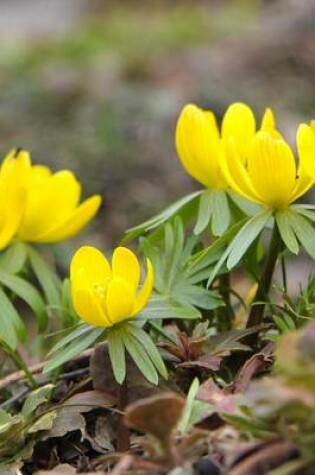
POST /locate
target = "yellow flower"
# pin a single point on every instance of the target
(52, 211)
(306, 146)
(267, 174)
(200, 146)
(105, 294)
(12, 194)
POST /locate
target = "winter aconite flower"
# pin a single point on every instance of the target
(201, 147)
(267, 173)
(105, 294)
(13, 171)
(51, 210)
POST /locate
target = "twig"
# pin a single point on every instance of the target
(123, 465)
(62, 377)
(270, 456)
(35, 369)
(15, 398)
(18, 375)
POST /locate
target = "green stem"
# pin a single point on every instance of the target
(225, 314)
(257, 311)
(19, 362)
(284, 274)
(123, 430)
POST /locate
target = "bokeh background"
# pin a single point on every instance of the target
(96, 86)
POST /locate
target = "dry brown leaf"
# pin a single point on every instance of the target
(157, 415)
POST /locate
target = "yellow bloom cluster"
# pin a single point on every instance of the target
(258, 165)
(37, 205)
(105, 294)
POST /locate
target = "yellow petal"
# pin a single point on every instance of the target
(120, 300)
(125, 266)
(198, 145)
(236, 174)
(88, 308)
(302, 185)
(146, 290)
(89, 275)
(272, 170)
(16, 162)
(39, 173)
(96, 267)
(82, 215)
(239, 122)
(268, 122)
(11, 217)
(51, 201)
(306, 148)
(13, 174)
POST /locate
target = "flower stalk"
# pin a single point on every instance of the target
(257, 310)
(123, 430)
(20, 364)
(225, 314)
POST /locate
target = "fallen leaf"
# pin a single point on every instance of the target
(205, 362)
(157, 415)
(62, 469)
(251, 367)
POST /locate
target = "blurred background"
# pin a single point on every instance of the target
(96, 86)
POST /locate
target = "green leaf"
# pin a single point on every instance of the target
(7, 420)
(77, 346)
(280, 323)
(214, 206)
(28, 293)
(163, 307)
(229, 341)
(246, 206)
(77, 331)
(116, 352)
(304, 232)
(190, 399)
(198, 296)
(203, 274)
(45, 422)
(221, 212)
(150, 348)
(289, 322)
(162, 217)
(174, 244)
(170, 267)
(283, 219)
(213, 253)
(69, 314)
(35, 399)
(139, 356)
(154, 254)
(11, 324)
(12, 260)
(246, 236)
(190, 245)
(305, 210)
(204, 212)
(47, 279)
